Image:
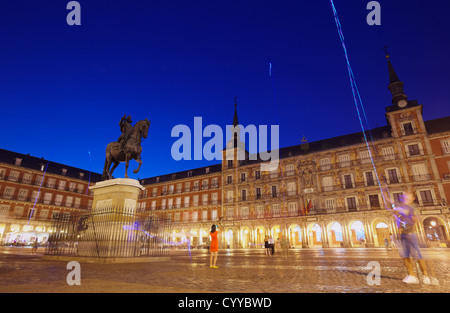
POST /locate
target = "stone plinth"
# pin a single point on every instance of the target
(111, 232)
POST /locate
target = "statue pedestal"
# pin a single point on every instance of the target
(112, 232)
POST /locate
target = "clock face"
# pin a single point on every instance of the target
(402, 103)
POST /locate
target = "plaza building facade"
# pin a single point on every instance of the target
(34, 192)
(327, 193)
(322, 194)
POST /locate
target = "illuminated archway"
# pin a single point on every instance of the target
(245, 237)
(335, 235)
(295, 236)
(314, 235)
(358, 235)
(435, 232)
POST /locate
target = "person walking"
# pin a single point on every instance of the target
(214, 246)
(284, 246)
(408, 244)
(266, 245)
(272, 245)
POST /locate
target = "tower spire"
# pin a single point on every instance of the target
(399, 99)
(235, 118)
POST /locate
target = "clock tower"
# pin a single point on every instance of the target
(403, 116)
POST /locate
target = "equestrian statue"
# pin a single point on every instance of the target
(127, 147)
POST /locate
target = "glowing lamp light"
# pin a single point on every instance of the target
(433, 223)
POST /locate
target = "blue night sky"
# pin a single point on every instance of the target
(63, 89)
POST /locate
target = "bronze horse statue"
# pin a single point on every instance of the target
(116, 153)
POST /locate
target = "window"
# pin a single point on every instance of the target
(230, 195)
(413, 149)
(230, 163)
(229, 179)
(243, 177)
(194, 216)
(290, 170)
(351, 203)
(43, 214)
(348, 181)
(276, 210)
(62, 185)
(364, 156)
(244, 212)
(171, 189)
(58, 199)
(69, 201)
(325, 164)
(292, 208)
(205, 199)
(327, 183)
(426, 197)
(18, 211)
(185, 216)
(78, 203)
(257, 174)
(446, 146)
(420, 172)
(13, 176)
(344, 160)
(186, 202)
(18, 162)
(230, 213)
(51, 182)
(258, 193)
(274, 191)
(205, 215)
(388, 153)
(153, 205)
(178, 203)
(179, 186)
(215, 198)
(187, 186)
(374, 201)
(330, 204)
(408, 129)
(393, 176)
(291, 189)
(4, 210)
(31, 213)
(9, 192)
(23, 193)
(369, 179)
(259, 211)
(154, 191)
(205, 184)
(214, 215)
(195, 200)
(215, 182)
(244, 195)
(170, 203)
(26, 178)
(163, 204)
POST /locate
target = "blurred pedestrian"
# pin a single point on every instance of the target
(272, 245)
(284, 244)
(266, 245)
(35, 245)
(409, 246)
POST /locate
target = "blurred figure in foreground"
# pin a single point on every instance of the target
(408, 243)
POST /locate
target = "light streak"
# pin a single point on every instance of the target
(162, 240)
(39, 192)
(356, 96)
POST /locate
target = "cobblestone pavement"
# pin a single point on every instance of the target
(333, 270)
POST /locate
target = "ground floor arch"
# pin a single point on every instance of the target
(435, 231)
(314, 232)
(335, 234)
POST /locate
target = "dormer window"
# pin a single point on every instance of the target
(18, 162)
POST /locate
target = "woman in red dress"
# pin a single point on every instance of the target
(214, 247)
